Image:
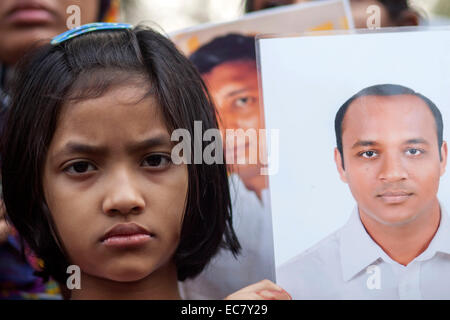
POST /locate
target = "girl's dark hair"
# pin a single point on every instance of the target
(86, 67)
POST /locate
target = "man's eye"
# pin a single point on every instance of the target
(80, 167)
(243, 102)
(368, 154)
(158, 161)
(413, 152)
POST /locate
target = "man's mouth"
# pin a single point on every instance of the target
(394, 197)
(239, 153)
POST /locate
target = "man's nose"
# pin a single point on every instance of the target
(123, 195)
(392, 168)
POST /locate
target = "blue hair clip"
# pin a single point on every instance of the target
(90, 27)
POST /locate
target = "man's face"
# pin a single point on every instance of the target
(234, 88)
(23, 22)
(391, 157)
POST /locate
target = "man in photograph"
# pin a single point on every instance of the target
(396, 244)
(228, 66)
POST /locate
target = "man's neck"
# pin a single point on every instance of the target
(404, 242)
(160, 285)
(256, 184)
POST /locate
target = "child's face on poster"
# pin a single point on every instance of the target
(391, 157)
(109, 165)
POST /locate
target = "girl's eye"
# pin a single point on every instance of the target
(413, 152)
(80, 167)
(157, 161)
(368, 154)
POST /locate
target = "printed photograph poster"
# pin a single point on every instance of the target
(225, 56)
(385, 169)
(307, 16)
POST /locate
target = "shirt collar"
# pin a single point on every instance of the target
(441, 240)
(357, 249)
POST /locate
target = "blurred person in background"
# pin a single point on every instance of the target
(23, 24)
(394, 13)
(439, 13)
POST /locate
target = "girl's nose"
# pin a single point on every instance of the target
(123, 196)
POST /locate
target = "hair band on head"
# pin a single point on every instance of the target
(90, 27)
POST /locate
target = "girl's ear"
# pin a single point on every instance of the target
(340, 165)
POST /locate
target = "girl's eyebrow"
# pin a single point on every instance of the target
(161, 140)
(76, 147)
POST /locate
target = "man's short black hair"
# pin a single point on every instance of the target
(386, 90)
(86, 67)
(231, 47)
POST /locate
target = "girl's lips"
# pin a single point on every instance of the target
(126, 235)
(127, 241)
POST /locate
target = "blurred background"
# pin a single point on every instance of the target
(173, 15)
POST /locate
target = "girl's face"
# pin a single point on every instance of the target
(116, 198)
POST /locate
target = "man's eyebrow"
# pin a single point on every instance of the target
(417, 141)
(364, 143)
(236, 92)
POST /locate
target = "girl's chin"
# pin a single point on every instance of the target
(128, 277)
(125, 275)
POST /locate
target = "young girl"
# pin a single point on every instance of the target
(88, 178)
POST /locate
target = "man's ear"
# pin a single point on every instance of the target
(408, 18)
(339, 165)
(444, 153)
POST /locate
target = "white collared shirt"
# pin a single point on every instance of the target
(348, 264)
